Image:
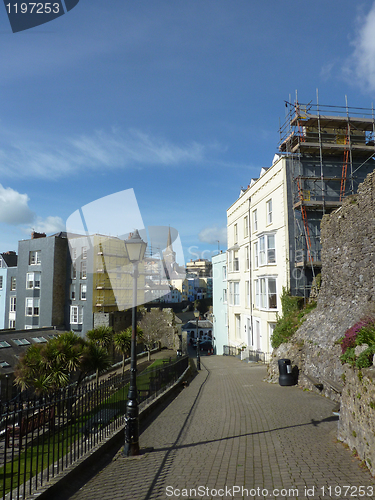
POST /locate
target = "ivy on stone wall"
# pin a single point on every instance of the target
(293, 315)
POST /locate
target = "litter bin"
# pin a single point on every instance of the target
(285, 372)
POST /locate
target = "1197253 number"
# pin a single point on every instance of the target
(31, 7)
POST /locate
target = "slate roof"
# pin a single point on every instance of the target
(13, 343)
(202, 323)
(10, 259)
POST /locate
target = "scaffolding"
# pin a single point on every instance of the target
(112, 275)
(330, 150)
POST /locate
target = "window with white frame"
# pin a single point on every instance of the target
(74, 270)
(256, 255)
(256, 293)
(12, 323)
(33, 280)
(246, 226)
(235, 233)
(230, 261)
(236, 261)
(247, 287)
(255, 220)
(72, 292)
(13, 283)
(1, 282)
(83, 270)
(269, 211)
(247, 250)
(32, 306)
(267, 251)
(265, 293)
(224, 272)
(74, 315)
(224, 295)
(84, 252)
(13, 304)
(234, 293)
(34, 257)
(82, 291)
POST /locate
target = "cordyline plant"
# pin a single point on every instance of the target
(51, 366)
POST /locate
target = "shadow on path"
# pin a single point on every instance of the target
(313, 422)
(174, 447)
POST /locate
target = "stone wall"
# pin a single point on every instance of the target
(347, 295)
(357, 415)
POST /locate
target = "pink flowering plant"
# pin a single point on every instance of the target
(363, 332)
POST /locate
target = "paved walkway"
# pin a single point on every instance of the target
(231, 435)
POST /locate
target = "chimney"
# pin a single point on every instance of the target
(35, 235)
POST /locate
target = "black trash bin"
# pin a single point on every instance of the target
(286, 376)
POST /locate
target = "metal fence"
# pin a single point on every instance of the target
(41, 437)
(247, 354)
(229, 350)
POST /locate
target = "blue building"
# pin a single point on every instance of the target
(8, 270)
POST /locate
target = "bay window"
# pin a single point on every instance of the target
(265, 293)
(267, 250)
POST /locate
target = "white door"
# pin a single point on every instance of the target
(257, 334)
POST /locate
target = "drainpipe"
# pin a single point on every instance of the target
(251, 276)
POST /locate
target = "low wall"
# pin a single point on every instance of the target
(357, 415)
(347, 295)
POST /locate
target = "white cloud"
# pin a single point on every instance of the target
(49, 225)
(53, 158)
(214, 234)
(360, 66)
(15, 211)
(14, 207)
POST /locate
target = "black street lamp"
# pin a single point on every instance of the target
(196, 314)
(135, 248)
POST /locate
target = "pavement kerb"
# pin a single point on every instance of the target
(108, 447)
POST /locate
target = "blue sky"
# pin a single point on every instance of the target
(179, 100)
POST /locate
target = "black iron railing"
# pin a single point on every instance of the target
(41, 437)
(247, 354)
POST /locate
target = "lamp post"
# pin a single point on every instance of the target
(196, 314)
(135, 248)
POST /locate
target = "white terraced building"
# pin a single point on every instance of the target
(257, 258)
